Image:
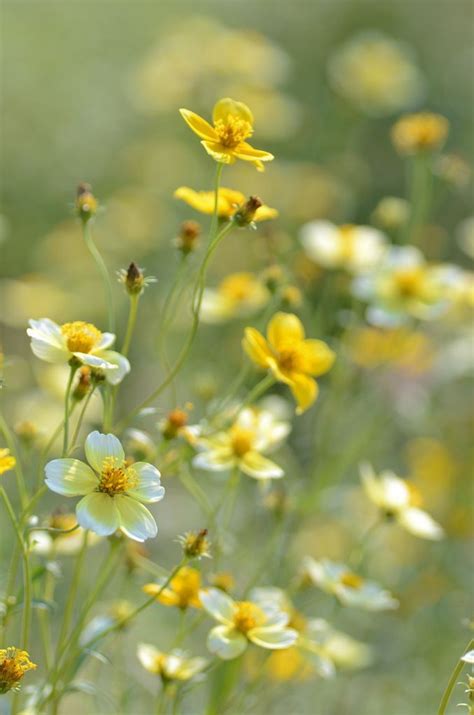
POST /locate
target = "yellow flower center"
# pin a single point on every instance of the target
(351, 580)
(409, 283)
(80, 337)
(14, 664)
(233, 131)
(116, 478)
(241, 440)
(347, 235)
(186, 587)
(288, 359)
(247, 616)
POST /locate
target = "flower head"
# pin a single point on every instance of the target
(354, 248)
(14, 663)
(195, 544)
(134, 280)
(7, 461)
(238, 294)
(242, 622)
(415, 133)
(228, 203)
(169, 666)
(226, 141)
(291, 358)
(398, 499)
(182, 592)
(86, 203)
(80, 341)
(114, 491)
(187, 240)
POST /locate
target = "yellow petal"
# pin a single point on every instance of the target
(199, 125)
(285, 329)
(227, 106)
(305, 391)
(203, 201)
(257, 347)
(316, 357)
(264, 213)
(218, 152)
(248, 152)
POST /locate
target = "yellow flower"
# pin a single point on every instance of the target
(291, 358)
(7, 462)
(183, 590)
(225, 141)
(238, 294)
(228, 202)
(14, 663)
(424, 131)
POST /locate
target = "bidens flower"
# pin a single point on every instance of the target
(225, 141)
(113, 491)
(355, 248)
(14, 663)
(78, 340)
(239, 294)
(7, 461)
(399, 500)
(348, 587)
(228, 203)
(169, 666)
(291, 358)
(424, 131)
(242, 622)
(183, 590)
(241, 446)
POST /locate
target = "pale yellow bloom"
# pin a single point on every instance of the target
(226, 140)
(182, 592)
(424, 131)
(14, 663)
(7, 461)
(228, 202)
(405, 349)
(291, 358)
(354, 248)
(169, 666)
(238, 294)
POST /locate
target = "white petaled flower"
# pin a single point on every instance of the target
(175, 665)
(253, 432)
(244, 622)
(398, 499)
(343, 651)
(112, 490)
(357, 249)
(348, 587)
(80, 341)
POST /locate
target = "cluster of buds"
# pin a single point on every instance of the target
(195, 545)
(245, 215)
(86, 203)
(187, 240)
(173, 424)
(133, 278)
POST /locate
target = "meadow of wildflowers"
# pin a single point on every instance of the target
(236, 303)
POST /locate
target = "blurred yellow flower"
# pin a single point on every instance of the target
(170, 666)
(14, 663)
(406, 349)
(7, 462)
(182, 592)
(225, 141)
(290, 357)
(239, 294)
(423, 131)
(228, 202)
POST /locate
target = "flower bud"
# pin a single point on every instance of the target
(83, 384)
(86, 203)
(174, 422)
(188, 238)
(26, 432)
(246, 213)
(195, 545)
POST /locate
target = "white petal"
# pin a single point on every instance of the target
(260, 467)
(120, 366)
(148, 656)
(468, 657)
(135, 519)
(420, 523)
(98, 512)
(273, 639)
(226, 642)
(218, 604)
(70, 477)
(217, 460)
(94, 361)
(148, 488)
(47, 341)
(99, 446)
(106, 340)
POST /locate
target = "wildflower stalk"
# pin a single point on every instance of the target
(20, 478)
(453, 680)
(259, 389)
(67, 401)
(132, 318)
(82, 413)
(94, 251)
(71, 598)
(420, 190)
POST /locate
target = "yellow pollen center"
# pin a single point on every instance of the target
(347, 235)
(247, 616)
(288, 360)
(351, 580)
(242, 440)
(233, 131)
(80, 337)
(409, 283)
(116, 478)
(13, 665)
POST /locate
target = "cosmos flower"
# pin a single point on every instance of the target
(175, 665)
(112, 490)
(354, 248)
(348, 587)
(399, 500)
(290, 357)
(80, 341)
(244, 622)
(228, 202)
(226, 140)
(237, 295)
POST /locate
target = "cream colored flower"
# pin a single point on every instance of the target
(355, 248)
(175, 665)
(238, 295)
(398, 499)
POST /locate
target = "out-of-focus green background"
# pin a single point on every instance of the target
(91, 91)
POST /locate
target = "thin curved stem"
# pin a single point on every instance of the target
(67, 399)
(82, 413)
(71, 598)
(453, 680)
(132, 318)
(20, 478)
(94, 251)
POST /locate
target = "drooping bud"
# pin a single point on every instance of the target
(188, 239)
(195, 545)
(245, 215)
(86, 203)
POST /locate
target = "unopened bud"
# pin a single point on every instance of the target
(195, 545)
(188, 238)
(26, 431)
(86, 203)
(174, 422)
(133, 279)
(246, 213)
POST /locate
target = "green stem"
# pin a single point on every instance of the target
(132, 317)
(20, 478)
(453, 680)
(259, 389)
(82, 413)
(103, 272)
(71, 598)
(420, 190)
(67, 397)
